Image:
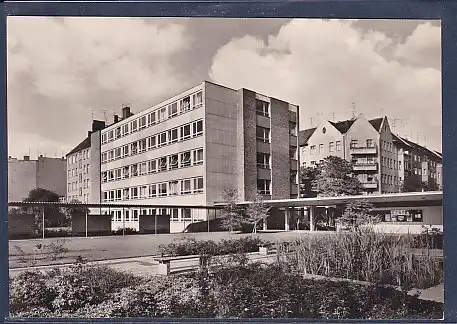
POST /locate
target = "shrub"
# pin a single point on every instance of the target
(190, 246)
(430, 238)
(126, 231)
(56, 249)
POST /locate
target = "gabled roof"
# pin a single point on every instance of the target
(417, 147)
(304, 136)
(343, 126)
(81, 146)
(376, 123)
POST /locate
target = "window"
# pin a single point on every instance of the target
(338, 145)
(110, 175)
(353, 144)
(118, 194)
(331, 147)
(143, 192)
(88, 154)
(197, 128)
(293, 177)
(135, 215)
(185, 132)
(142, 145)
(162, 114)
(185, 104)
(174, 161)
(127, 216)
(143, 168)
(125, 129)
(162, 189)
(263, 186)
(162, 139)
(134, 192)
(134, 168)
(304, 150)
(197, 100)
(263, 160)
(152, 166)
(152, 142)
(126, 194)
(126, 172)
(293, 153)
(143, 122)
(263, 134)
(125, 151)
(134, 149)
(104, 157)
(105, 196)
(117, 153)
(186, 213)
(370, 143)
(118, 174)
(262, 108)
(321, 148)
(293, 129)
(173, 135)
(174, 214)
(163, 164)
(152, 118)
(185, 186)
(134, 125)
(152, 190)
(198, 156)
(104, 177)
(186, 159)
(173, 110)
(118, 132)
(198, 185)
(110, 135)
(174, 190)
(104, 140)
(312, 149)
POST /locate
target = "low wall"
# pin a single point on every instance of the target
(96, 225)
(148, 224)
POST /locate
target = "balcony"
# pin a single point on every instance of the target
(263, 173)
(292, 116)
(293, 140)
(369, 184)
(364, 150)
(365, 166)
(293, 165)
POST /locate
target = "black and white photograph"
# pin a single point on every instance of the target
(225, 168)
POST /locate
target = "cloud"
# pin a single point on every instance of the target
(60, 69)
(423, 46)
(325, 66)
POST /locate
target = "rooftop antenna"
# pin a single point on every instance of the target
(333, 117)
(417, 137)
(425, 141)
(92, 113)
(353, 110)
(311, 121)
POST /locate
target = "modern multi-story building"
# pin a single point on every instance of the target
(25, 175)
(83, 168)
(188, 149)
(379, 157)
(418, 163)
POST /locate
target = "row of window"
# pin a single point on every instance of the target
(152, 118)
(73, 186)
(355, 143)
(74, 172)
(175, 214)
(401, 215)
(84, 155)
(171, 136)
(161, 164)
(390, 180)
(387, 146)
(332, 146)
(169, 188)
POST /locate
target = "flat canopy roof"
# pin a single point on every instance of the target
(407, 198)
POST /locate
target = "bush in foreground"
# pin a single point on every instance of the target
(236, 291)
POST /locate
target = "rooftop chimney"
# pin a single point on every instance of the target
(116, 118)
(126, 112)
(26, 158)
(97, 125)
(88, 133)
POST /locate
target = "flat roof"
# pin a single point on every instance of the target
(407, 198)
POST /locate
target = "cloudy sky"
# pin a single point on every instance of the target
(63, 70)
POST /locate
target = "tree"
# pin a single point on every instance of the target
(71, 211)
(335, 178)
(430, 185)
(413, 184)
(257, 211)
(357, 213)
(53, 215)
(232, 214)
(307, 176)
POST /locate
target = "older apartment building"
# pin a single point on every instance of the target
(188, 149)
(368, 144)
(83, 168)
(380, 159)
(26, 174)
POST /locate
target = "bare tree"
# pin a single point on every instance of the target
(232, 213)
(257, 211)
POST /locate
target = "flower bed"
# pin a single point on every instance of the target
(235, 291)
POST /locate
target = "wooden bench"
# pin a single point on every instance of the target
(164, 261)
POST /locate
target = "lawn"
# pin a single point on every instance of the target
(115, 247)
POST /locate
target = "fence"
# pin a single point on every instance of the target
(55, 219)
